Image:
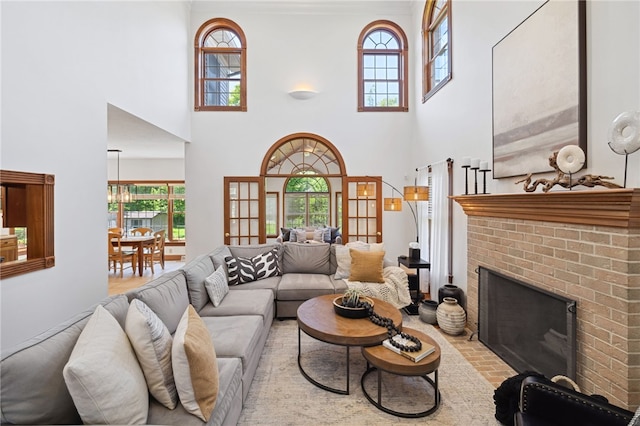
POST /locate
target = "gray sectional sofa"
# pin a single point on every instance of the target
(32, 386)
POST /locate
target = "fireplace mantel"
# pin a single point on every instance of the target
(613, 207)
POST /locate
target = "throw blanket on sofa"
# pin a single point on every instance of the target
(394, 290)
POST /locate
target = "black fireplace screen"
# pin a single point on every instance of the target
(531, 329)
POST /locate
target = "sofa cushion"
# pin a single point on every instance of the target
(296, 286)
(152, 343)
(196, 272)
(41, 359)
(217, 286)
(236, 336)
(167, 296)
(218, 255)
(254, 250)
(103, 374)
(195, 366)
(306, 258)
(229, 400)
(366, 266)
(286, 233)
(243, 302)
(242, 269)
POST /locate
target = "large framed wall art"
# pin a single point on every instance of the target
(539, 89)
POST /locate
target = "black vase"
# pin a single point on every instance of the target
(450, 290)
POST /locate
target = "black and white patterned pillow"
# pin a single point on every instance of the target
(244, 269)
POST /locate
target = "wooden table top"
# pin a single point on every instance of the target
(317, 318)
(389, 361)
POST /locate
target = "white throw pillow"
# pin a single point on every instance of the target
(217, 285)
(195, 366)
(152, 343)
(103, 376)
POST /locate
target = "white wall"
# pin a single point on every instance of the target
(62, 63)
(457, 121)
(285, 49)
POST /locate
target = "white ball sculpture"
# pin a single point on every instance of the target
(570, 159)
(624, 136)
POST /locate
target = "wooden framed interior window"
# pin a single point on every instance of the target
(436, 46)
(383, 64)
(27, 202)
(220, 67)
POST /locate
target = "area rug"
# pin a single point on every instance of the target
(280, 395)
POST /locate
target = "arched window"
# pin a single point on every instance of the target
(382, 68)
(220, 67)
(436, 46)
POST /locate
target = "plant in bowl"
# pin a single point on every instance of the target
(353, 304)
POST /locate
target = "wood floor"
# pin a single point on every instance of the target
(130, 281)
(486, 362)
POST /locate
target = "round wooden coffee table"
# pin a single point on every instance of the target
(317, 319)
(382, 359)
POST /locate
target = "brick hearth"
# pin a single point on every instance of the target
(584, 245)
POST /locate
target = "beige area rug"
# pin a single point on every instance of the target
(280, 395)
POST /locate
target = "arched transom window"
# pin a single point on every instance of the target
(220, 67)
(382, 68)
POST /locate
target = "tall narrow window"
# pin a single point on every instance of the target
(306, 202)
(220, 67)
(382, 68)
(436, 46)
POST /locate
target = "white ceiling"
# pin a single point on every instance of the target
(138, 138)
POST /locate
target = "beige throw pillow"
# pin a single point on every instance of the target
(195, 366)
(366, 266)
(103, 376)
(152, 343)
(343, 258)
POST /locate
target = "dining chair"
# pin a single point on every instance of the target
(117, 230)
(142, 231)
(156, 252)
(118, 255)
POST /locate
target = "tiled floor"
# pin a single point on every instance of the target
(484, 360)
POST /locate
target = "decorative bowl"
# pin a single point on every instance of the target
(348, 312)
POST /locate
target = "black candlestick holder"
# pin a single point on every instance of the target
(475, 172)
(466, 179)
(484, 179)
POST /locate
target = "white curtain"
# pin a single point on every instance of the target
(439, 242)
(423, 227)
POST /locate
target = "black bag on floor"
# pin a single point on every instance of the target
(507, 396)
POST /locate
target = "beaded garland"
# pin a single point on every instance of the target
(392, 330)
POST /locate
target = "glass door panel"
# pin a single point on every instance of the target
(363, 199)
(243, 210)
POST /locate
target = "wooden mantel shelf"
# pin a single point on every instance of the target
(614, 207)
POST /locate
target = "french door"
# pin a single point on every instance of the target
(362, 208)
(244, 211)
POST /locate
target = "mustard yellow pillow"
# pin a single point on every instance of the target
(366, 266)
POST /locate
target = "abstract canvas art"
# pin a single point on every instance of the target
(539, 89)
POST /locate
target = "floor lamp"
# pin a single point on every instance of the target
(413, 193)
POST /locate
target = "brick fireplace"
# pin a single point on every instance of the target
(583, 245)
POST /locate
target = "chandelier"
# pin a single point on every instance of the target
(118, 193)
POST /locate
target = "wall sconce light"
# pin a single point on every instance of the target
(302, 94)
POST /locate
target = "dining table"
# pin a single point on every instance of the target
(139, 242)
